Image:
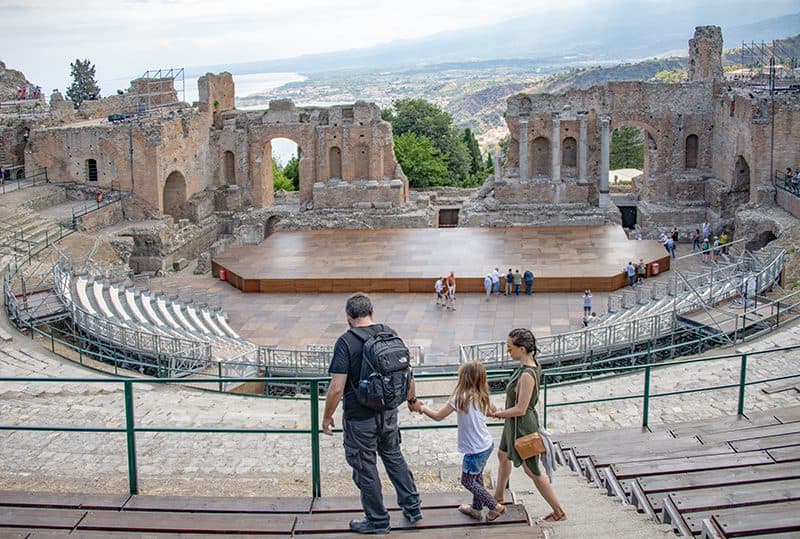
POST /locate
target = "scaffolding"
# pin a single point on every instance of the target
(158, 88)
(768, 63)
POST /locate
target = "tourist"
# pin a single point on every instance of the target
(675, 235)
(723, 241)
(451, 291)
(637, 232)
(593, 319)
(521, 419)
(517, 282)
(471, 402)
(496, 281)
(696, 241)
(367, 432)
(587, 302)
(671, 246)
(706, 228)
(630, 271)
(439, 287)
(528, 278)
(487, 285)
(715, 250)
(509, 281)
(664, 239)
(705, 248)
(641, 271)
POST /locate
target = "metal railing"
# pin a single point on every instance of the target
(131, 429)
(37, 177)
(647, 395)
(108, 198)
(585, 343)
(786, 182)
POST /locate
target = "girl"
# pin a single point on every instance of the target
(470, 401)
(522, 393)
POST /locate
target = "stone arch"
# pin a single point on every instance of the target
(335, 162)
(569, 153)
(691, 151)
(174, 198)
(651, 156)
(229, 168)
(761, 240)
(740, 184)
(361, 162)
(90, 170)
(540, 160)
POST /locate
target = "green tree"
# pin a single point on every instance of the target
(489, 164)
(476, 160)
(279, 179)
(627, 148)
(84, 86)
(671, 75)
(422, 162)
(292, 170)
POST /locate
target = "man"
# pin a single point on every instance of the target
(517, 282)
(528, 282)
(509, 281)
(641, 271)
(630, 270)
(438, 287)
(487, 285)
(496, 281)
(368, 432)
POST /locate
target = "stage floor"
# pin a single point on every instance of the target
(563, 259)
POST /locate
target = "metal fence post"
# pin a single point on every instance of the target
(130, 436)
(646, 406)
(544, 390)
(316, 481)
(742, 382)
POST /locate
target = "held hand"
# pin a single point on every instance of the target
(327, 425)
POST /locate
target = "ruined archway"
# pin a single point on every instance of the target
(335, 162)
(690, 153)
(740, 186)
(285, 153)
(539, 160)
(229, 168)
(569, 153)
(174, 198)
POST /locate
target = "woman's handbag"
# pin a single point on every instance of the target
(529, 446)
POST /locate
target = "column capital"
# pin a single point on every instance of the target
(605, 121)
(583, 115)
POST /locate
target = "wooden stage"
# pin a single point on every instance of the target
(563, 259)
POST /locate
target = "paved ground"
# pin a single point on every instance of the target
(297, 320)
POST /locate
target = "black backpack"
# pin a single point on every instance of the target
(385, 370)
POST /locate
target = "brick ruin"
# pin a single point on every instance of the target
(710, 147)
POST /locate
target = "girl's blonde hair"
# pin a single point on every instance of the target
(471, 388)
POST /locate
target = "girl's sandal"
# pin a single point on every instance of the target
(470, 511)
(495, 513)
(553, 517)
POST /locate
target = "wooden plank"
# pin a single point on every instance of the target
(706, 478)
(219, 504)
(635, 433)
(58, 500)
(162, 521)
(17, 533)
(785, 454)
(651, 454)
(767, 442)
(686, 464)
(434, 518)
(25, 517)
(719, 424)
(755, 432)
(341, 504)
(788, 414)
(718, 497)
(757, 519)
(506, 531)
(89, 534)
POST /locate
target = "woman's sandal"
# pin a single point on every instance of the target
(553, 517)
(495, 513)
(470, 511)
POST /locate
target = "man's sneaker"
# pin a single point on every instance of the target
(413, 516)
(368, 527)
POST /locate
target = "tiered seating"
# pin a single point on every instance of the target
(727, 477)
(23, 513)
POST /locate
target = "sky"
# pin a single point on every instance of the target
(125, 38)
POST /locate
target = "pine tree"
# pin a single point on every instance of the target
(84, 86)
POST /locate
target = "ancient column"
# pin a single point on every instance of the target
(556, 148)
(523, 148)
(605, 158)
(582, 122)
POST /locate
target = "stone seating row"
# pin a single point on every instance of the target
(157, 314)
(727, 477)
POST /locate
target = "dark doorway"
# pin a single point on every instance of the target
(628, 214)
(91, 170)
(448, 218)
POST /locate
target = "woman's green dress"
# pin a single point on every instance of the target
(516, 427)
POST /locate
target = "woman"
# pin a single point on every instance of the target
(522, 394)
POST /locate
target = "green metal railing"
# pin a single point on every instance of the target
(785, 182)
(647, 395)
(38, 177)
(130, 429)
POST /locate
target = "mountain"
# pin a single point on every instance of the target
(621, 30)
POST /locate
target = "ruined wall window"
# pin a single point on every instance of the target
(230, 168)
(175, 196)
(90, 170)
(569, 153)
(361, 162)
(335, 160)
(691, 151)
(540, 157)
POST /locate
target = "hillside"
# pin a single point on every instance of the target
(9, 80)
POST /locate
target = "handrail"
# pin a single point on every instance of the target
(27, 181)
(131, 429)
(787, 183)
